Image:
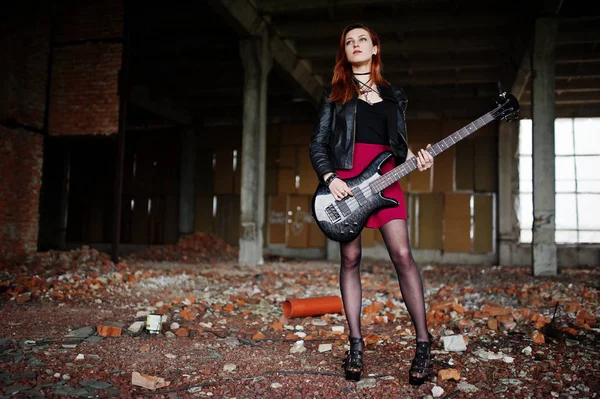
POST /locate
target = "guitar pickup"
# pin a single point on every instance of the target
(332, 213)
(360, 197)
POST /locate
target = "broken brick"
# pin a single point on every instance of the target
(538, 337)
(448, 374)
(108, 330)
(148, 381)
(182, 332)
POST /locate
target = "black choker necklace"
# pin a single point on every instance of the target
(363, 73)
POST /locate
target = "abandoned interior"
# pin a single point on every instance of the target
(123, 126)
(156, 188)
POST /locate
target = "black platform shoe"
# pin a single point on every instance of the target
(421, 364)
(353, 364)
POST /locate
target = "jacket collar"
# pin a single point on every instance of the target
(386, 92)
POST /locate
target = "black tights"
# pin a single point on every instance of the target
(395, 235)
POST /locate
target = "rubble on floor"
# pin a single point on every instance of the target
(75, 325)
(193, 248)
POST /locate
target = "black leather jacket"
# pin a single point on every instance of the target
(332, 143)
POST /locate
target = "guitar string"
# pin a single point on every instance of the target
(353, 203)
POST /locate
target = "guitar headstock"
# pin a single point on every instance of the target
(508, 107)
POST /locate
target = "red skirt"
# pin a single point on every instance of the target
(363, 155)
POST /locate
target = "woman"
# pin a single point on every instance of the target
(361, 116)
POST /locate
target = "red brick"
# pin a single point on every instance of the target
(108, 330)
(83, 91)
(21, 154)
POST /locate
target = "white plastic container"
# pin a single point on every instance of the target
(154, 323)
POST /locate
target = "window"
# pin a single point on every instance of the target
(577, 184)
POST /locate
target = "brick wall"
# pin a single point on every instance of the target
(85, 52)
(85, 69)
(21, 154)
(24, 49)
(78, 20)
(83, 90)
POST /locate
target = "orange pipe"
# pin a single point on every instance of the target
(312, 306)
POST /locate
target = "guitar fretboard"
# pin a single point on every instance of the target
(404, 169)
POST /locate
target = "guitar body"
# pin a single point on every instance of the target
(343, 220)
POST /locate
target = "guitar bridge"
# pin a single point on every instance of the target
(332, 213)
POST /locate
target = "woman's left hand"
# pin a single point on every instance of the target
(424, 159)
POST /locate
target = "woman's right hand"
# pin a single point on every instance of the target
(339, 189)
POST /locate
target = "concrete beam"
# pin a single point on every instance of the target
(523, 73)
(316, 49)
(567, 55)
(567, 111)
(381, 23)
(290, 62)
(241, 15)
(292, 6)
(140, 96)
(522, 76)
(568, 98)
(578, 37)
(574, 71)
(247, 21)
(574, 85)
(295, 28)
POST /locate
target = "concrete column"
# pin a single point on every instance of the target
(187, 191)
(544, 113)
(257, 61)
(508, 189)
(333, 251)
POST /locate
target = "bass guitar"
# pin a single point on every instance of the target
(344, 220)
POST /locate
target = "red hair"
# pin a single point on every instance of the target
(343, 87)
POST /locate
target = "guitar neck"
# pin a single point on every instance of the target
(411, 164)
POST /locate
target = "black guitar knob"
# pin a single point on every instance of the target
(346, 224)
(351, 232)
(355, 223)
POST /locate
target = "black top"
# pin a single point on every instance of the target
(371, 123)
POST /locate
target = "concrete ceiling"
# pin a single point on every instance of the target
(452, 57)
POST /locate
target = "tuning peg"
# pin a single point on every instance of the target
(511, 117)
(500, 99)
